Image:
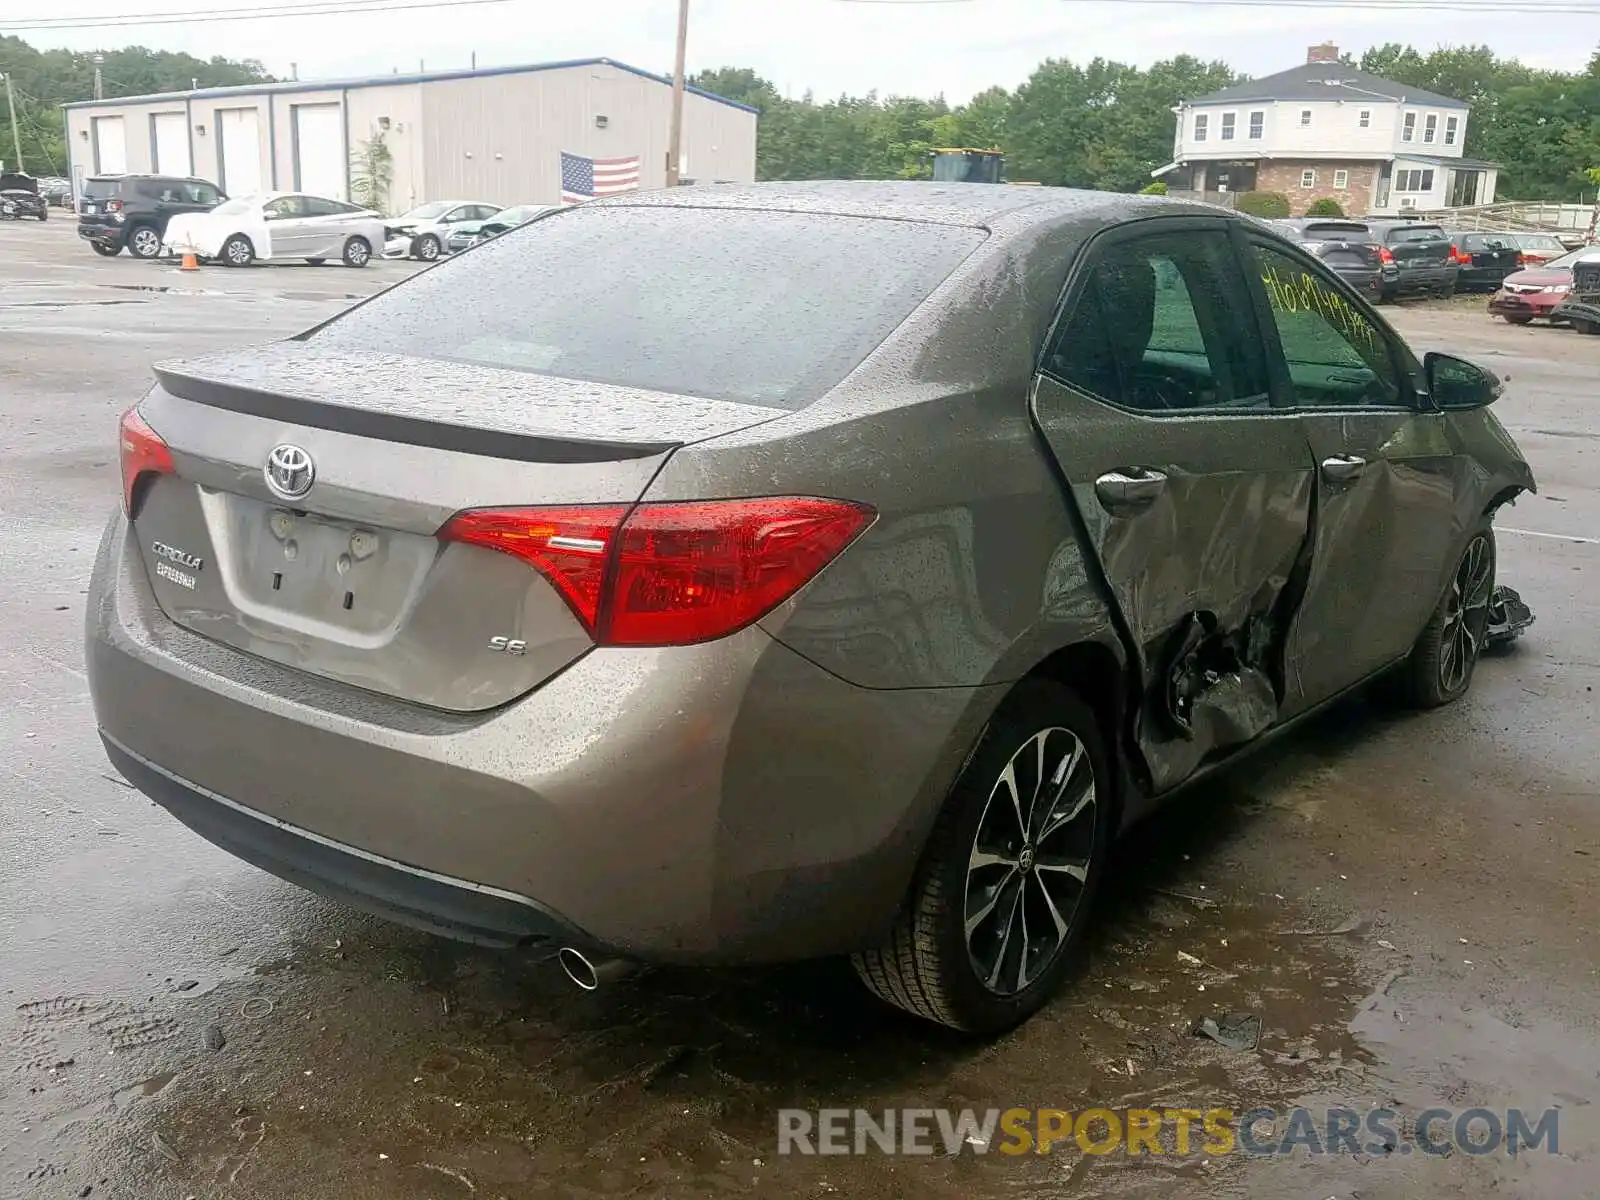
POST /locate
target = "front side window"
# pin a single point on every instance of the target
(1227, 126)
(1200, 123)
(1258, 126)
(1336, 356)
(1408, 127)
(1430, 127)
(1308, 178)
(1157, 326)
(1452, 127)
(202, 193)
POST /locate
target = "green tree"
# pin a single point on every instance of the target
(1325, 206)
(1269, 205)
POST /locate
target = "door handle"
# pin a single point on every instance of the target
(1342, 468)
(1128, 489)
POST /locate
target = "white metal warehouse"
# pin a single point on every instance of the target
(494, 134)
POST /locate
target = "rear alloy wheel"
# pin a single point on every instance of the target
(427, 248)
(357, 252)
(237, 251)
(1005, 885)
(144, 242)
(1445, 656)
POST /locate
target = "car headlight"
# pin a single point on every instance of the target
(1558, 287)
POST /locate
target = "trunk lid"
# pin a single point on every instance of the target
(1344, 245)
(348, 580)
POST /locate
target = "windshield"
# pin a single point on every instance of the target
(1568, 261)
(516, 215)
(237, 208)
(768, 308)
(1338, 232)
(426, 212)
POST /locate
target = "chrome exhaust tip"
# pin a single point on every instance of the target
(589, 973)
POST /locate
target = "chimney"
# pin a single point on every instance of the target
(1325, 53)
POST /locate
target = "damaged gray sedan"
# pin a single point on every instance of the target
(844, 583)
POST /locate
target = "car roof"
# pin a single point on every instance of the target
(977, 205)
(146, 175)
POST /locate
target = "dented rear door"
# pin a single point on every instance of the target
(1194, 491)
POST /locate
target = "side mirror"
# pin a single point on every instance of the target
(1456, 384)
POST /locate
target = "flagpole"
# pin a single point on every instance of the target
(675, 139)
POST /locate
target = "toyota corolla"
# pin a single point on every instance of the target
(738, 574)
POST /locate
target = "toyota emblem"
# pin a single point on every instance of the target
(289, 471)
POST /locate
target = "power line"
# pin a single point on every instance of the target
(277, 12)
(1506, 7)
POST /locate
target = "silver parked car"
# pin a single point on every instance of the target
(842, 583)
(273, 226)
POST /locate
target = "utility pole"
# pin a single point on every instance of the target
(99, 83)
(675, 139)
(16, 132)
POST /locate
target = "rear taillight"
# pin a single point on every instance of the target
(143, 454)
(1385, 255)
(113, 205)
(1460, 259)
(670, 574)
(1524, 260)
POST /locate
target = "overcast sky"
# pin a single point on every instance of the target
(826, 46)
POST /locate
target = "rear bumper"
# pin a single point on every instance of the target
(1425, 279)
(452, 908)
(106, 235)
(1487, 278)
(1363, 279)
(729, 802)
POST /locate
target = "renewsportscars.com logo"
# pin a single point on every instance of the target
(1179, 1132)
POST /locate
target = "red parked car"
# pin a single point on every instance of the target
(1536, 291)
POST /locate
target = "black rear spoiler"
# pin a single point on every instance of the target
(395, 427)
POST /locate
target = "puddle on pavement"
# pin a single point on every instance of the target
(387, 1064)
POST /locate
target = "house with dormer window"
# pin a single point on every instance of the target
(1325, 129)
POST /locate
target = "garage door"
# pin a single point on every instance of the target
(319, 164)
(170, 135)
(240, 142)
(110, 146)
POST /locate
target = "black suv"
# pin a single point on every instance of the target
(133, 210)
(1425, 261)
(1348, 247)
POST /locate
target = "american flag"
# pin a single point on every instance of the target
(585, 178)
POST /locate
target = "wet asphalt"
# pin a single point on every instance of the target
(1405, 901)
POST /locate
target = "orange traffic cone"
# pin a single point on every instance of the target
(190, 263)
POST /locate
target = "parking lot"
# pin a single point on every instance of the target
(1405, 900)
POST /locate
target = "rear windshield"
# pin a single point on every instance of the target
(1338, 231)
(1539, 241)
(1415, 233)
(1486, 241)
(100, 189)
(768, 308)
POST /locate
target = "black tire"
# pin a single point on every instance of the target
(357, 252)
(1445, 656)
(44, 214)
(426, 248)
(928, 966)
(1589, 328)
(316, 262)
(1518, 320)
(144, 241)
(108, 251)
(237, 251)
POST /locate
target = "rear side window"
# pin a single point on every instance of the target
(768, 308)
(1155, 328)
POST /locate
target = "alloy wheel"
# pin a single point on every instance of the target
(238, 252)
(1466, 615)
(146, 243)
(1028, 868)
(428, 248)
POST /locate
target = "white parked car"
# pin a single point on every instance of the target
(278, 225)
(424, 232)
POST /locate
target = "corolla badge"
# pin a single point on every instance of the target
(290, 471)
